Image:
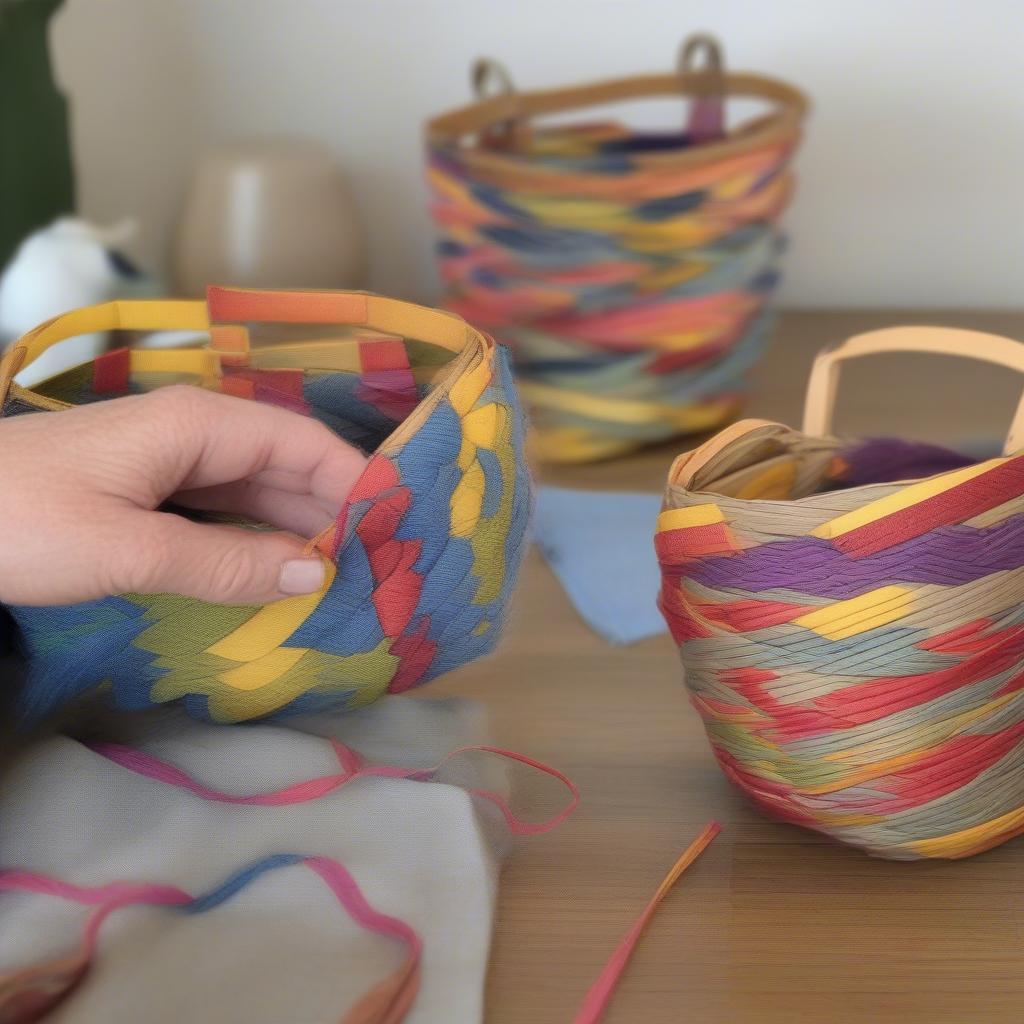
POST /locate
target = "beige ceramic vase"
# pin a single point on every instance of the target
(268, 214)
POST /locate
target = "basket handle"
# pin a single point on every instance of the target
(707, 109)
(119, 315)
(486, 69)
(950, 341)
(508, 134)
(237, 306)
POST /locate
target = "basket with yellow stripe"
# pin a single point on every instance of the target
(850, 617)
(422, 557)
(629, 271)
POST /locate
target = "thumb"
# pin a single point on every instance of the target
(222, 564)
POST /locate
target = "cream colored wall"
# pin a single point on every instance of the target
(129, 69)
(911, 179)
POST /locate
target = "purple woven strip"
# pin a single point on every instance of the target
(881, 460)
(950, 555)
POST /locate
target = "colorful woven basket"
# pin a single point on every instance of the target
(853, 637)
(426, 548)
(628, 271)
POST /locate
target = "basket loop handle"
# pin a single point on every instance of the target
(238, 306)
(491, 80)
(118, 315)
(819, 405)
(706, 83)
(486, 70)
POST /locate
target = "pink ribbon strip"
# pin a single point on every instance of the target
(601, 992)
(28, 994)
(353, 767)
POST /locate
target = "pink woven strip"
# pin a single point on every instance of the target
(27, 994)
(353, 768)
(601, 992)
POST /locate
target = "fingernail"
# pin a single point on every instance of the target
(301, 576)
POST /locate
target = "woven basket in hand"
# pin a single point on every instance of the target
(850, 617)
(629, 271)
(422, 557)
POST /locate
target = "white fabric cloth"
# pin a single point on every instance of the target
(282, 951)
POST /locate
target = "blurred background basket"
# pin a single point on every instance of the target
(850, 617)
(630, 271)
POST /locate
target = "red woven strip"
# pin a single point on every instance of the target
(110, 372)
(238, 305)
(869, 701)
(287, 382)
(382, 354)
(945, 769)
(744, 616)
(282, 388)
(872, 700)
(387, 379)
(782, 720)
(238, 387)
(398, 585)
(1012, 685)
(972, 636)
(968, 499)
(670, 362)
(416, 651)
(682, 623)
(675, 547)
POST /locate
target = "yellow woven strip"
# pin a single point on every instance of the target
(199, 361)
(850, 820)
(271, 625)
(409, 321)
(901, 499)
(688, 418)
(320, 354)
(467, 501)
(857, 615)
(892, 765)
(481, 425)
(231, 341)
(970, 840)
(694, 515)
(685, 340)
(161, 315)
(775, 484)
(859, 776)
(451, 189)
(467, 454)
(468, 388)
(254, 675)
(157, 315)
(952, 726)
(664, 279)
(573, 445)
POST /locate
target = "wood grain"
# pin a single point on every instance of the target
(772, 924)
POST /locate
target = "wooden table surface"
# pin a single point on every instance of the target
(773, 924)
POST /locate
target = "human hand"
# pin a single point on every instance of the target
(80, 489)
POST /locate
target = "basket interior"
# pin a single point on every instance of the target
(360, 384)
(774, 462)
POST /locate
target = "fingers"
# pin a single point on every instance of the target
(298, 513)
(167, 553)
(79, 488)
(227, 439)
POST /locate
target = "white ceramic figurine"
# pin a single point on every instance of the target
(69, 264)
